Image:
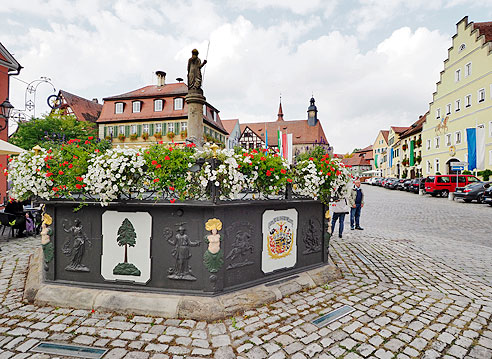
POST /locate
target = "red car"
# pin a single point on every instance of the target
(443, 184)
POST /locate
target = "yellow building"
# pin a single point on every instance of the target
(463, 100)
(154, 113)
(411, 150)
(394, 151)
(380, 153)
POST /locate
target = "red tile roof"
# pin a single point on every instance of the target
(302, 132)
(147, 95)
(416, 127)
(356, 160)
(83, 109)
(229, 124)
(399, 130)
(485, 28)
(385, 134)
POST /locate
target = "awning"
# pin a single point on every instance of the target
(9, 149)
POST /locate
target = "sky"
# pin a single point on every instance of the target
(370, 64)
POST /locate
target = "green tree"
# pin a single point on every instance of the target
(52, 128)
(126, 236)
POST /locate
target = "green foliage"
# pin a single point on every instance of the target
(126, 234)
(438, 173)
(485, 174)
(51, 129)
(466, 172)
(318, 152)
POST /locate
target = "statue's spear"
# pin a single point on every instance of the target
(206, 57)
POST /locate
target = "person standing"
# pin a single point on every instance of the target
(339, 209)
(356, 201)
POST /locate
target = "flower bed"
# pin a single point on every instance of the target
(172, 172)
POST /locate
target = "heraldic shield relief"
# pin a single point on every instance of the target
(279, 240)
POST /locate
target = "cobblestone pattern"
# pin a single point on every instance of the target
(409, 303)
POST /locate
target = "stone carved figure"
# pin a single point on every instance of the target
(213, 258)
(46, 244)
(75, 246)
(312, 236)
(239, 255)
(181, 252)
(195, 71)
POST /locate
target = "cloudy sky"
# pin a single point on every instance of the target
(369, 63)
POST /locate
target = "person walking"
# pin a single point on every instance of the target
(339, 209)
(356, 201)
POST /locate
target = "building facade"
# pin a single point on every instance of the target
(411, 150)
(460, 116)
(82, 108)
(380, 153)
(360, 161)
(234, 130)
(395, 151)
(154, 113)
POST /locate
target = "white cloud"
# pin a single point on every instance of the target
(295, 6)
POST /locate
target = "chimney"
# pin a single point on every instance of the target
(95, 100)
(161, 78)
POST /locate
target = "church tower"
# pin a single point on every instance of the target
(312, 113)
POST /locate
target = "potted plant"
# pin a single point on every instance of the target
(133, 136)
(418, 143)
(404, 147)
(170, 135)
(184, 133)
(108, 137)
(121, 137)
(145, 136)
(418, 159)
(158, 135)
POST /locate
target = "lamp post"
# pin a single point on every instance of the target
(5, 109)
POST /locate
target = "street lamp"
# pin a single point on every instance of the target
(5, 108)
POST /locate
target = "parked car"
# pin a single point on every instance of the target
(406, 185)
(443, 184)
(487, 196)
(391, 183)
(472, 192)
(399, 184)
(415, 185)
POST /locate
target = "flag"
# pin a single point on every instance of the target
(284, 145)
(266, 137)
(471, 139)
(279, 140)
(290, 149)
(412, 147)
(391, 158)
(376, 161)
(480, 147)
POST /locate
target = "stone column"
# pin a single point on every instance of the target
(195, 101)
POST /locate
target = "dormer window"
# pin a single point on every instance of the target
(158, 105)
(136, 105)
(118, 107)
(178, 103)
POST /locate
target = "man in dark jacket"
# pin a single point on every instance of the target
(356, 201)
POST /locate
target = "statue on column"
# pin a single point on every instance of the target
(194, 71)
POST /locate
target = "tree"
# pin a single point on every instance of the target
(52, 128)
(126, 236)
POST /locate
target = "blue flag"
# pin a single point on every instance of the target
(266, 138)
(391, 158)
(471, 139)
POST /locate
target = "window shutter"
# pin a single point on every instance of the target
(151, 129)
(127, 131)
(105, 131)
(164, 131)
(139, 130)
(176, 126)
(115, 131)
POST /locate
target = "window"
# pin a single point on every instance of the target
(428, 144)
(436, 142)
(448, 139)
(457, 137)
(170, 127)
(438, 113)
(133, 129)
(436, 165)
(448, 109)
(458, 105)
(184, 126)
(118, 107)
(428, 166)
(467, 100)
(481, 95)
(110, 130)
(490, 128)
(136, 106)
(158, 127)
(145, 128)
(468, 69)
(178, 103)
(457, 75)
(121, 130)
(158, 105)
(442, 179)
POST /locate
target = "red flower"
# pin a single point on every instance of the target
(172, 200)
(328, 173)
(60, 172)
(55, 189)
(90, 137)
(254, 151)
(70, 165)
(262, 158)
(238, 166)
(93, 311)
(283, 171)
(87, 142)
(289, 180)
(96, 150)
(158, 166)
(75, 157)
(161, 142)
(147, 152)
(78, 186)
(49, 151)
(156, 180)
(170, 148)
(268, 173)
(138, 154)
(338, 173)
(37, 170)
(79, 178)
(167, 158)
(251, 163)
(49, 174)
(154, 162)
(48, 166)
(171, 188)
(311, 159)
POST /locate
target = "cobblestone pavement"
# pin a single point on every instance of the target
(418, 277)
